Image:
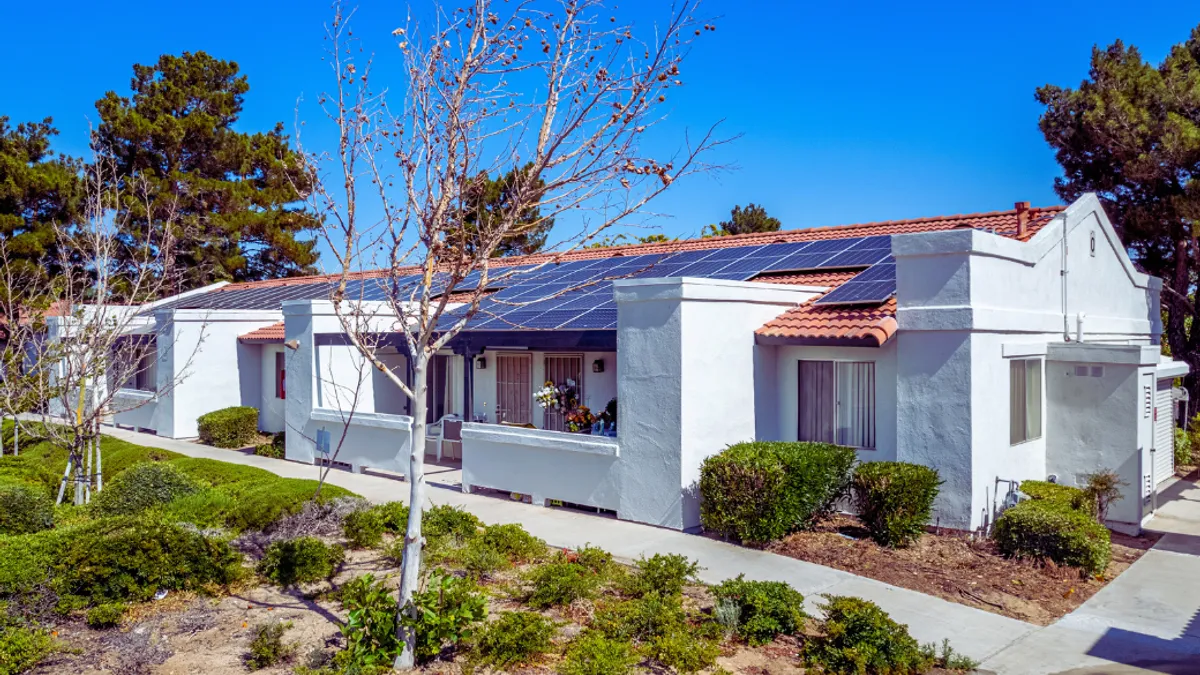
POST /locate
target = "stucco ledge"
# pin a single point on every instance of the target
(541, 439)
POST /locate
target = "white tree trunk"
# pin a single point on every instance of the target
(99, 464)
(410, 568)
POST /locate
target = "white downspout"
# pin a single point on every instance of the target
(1079, 326)
(1063, 273)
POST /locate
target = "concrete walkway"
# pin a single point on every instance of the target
(1145, 621)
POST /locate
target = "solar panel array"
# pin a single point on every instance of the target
(578, 294)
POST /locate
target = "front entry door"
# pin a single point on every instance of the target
(559, 369)
(514, 388)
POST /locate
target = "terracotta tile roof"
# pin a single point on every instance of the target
(829, 278)
(1003, 223)
(272, 334)
(810, 323)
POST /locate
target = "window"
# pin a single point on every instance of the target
(280, 376)
(139, 363)
(1025, 400)
(837, 402)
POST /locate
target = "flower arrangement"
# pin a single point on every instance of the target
(564, 398)
(580, 419)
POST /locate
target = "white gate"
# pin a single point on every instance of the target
(1164, 432)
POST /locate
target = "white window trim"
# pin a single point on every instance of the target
(1041, 399)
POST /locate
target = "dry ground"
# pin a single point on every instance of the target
(961, 569)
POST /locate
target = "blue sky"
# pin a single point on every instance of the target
(849, 112)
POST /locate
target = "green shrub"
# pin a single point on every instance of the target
(516, 638)
(370, 627)
(1183, 447)
(276, 448)
(30, 471)
(143, 486)
(363, 528)
(765, 608)
(513, 542)
(642, 619)
(24, 510)
(561, 582)
(207, 508)
(859, 638)
(108, 615)
(1044, 529)
(683, 652)
(593, 654)
(395, 517)
(477, 558)
(258, 504)
(23, 648)
(268, 648)
(120, 455)
(447, 610)
(595, 559)
(760, 492)
(302, 560)
(122, 560)
(1063, 495)
(665, 574)
(895, 500)
(215, 473)
(228, 427)
(1102, 488)
(443, 520)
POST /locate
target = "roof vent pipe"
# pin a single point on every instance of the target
(1079, 326)
(1022, 219)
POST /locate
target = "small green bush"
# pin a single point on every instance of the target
(1183, 447)
(23, 648)
(683, 652)
(1063, 495)
(447, 610)
(516, 638)
(25, 510)
(302, 560)
(258, 504)
(108, 615)
(1044, 529)
(268, 648)
(859, 638)
(395, 517)
(370, 627)
(143, 486)
(762, 491)
(276, 448)
(215, 473)
(363, 528)
(594, 654)
(766, 609)
(595, 559)
(477, 558)
(895, 500)
(443, 520)
(665, 574)
(513, 542)
(561, 582)
(228, 427)
(642, 619)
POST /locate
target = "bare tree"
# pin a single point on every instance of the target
(560, 92)
(80, 338)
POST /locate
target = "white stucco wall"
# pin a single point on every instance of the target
(598, 388)
(784, 408)
(575, 468)
(688, 361)
(969, 302)
(200, 353)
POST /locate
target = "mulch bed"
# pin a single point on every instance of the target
(956, 567)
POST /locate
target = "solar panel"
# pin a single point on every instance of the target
(872, 286)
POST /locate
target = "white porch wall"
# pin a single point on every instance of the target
(199, 351)
(968, 302)
(786, 408)
(598, 388)
(688, 362)
(271, 412)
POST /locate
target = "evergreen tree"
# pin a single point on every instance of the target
(753, 218)
(1131, 133)
(232, 197)
(483, 203)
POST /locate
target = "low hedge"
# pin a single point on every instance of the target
(895, 500)
(857, 637)
(1048, 529)
(276, 448)
(229, 427)
(143, 486)
(1064, 495)
(762, 491)
(25, 509)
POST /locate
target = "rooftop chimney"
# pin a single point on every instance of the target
(1022, 219)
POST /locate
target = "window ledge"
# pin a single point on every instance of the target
(363, 419)
(136, 394)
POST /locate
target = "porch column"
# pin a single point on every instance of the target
(463, 349)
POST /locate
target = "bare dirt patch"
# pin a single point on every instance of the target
(961, 569)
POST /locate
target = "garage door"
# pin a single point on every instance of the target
(1164, 433)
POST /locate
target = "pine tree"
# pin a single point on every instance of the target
(753, 218)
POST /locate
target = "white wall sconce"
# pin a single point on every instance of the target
(598, 366)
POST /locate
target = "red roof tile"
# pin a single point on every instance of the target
(810, 323)
(272, 334)
(829, 278)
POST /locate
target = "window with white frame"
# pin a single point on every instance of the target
(1024, 400)
(837, 402)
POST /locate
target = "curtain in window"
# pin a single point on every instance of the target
(1033, 398)
(856, 404)
(817, 403)
(1025, 400)
(1016, 402)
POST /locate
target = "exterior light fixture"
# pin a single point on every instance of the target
(481, 363)
(598, 366)
(292, 344)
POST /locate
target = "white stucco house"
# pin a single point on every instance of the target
(994, 347)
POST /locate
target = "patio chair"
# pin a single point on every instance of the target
(435, 430)
(451, 431)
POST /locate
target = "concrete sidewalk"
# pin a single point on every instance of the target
(1145, 621)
